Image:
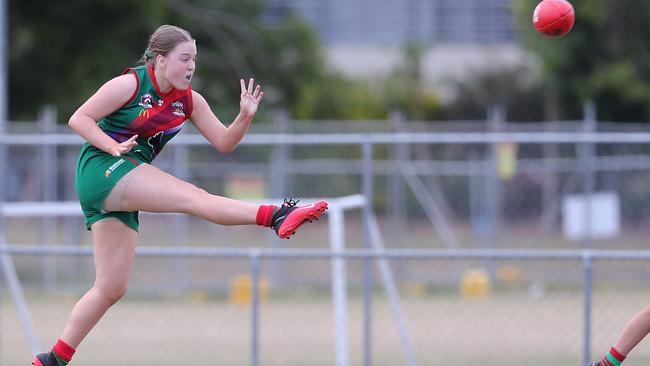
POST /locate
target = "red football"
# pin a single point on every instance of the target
(554, 18)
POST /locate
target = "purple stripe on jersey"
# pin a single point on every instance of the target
(174, 129)
(119, 136)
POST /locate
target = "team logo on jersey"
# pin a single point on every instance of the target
(113, 167)
(146, 101)
(178, 109)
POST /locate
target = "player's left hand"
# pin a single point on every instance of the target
(250, 98)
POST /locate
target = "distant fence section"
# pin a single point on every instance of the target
(517, 239)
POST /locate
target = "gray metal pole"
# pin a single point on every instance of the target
(476, 214)
(390, 287)
(589, 125)
(3, 122)
(339, 287)
(587, 276)
(493, 203)
(279, 185)
(587, 155)
(3, 88)
(181, 221)
(396, 183)
(49, 181)
(429, 205)
(1, 301)
(496, 120)
(8, 270)
(279, 158)
(367, 189)
(255, 278)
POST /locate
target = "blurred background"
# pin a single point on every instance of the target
(505, 171)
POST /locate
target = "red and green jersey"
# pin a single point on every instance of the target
(154, 116)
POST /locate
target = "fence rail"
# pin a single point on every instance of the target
(474, 211)
(256, 256)
(373, 138)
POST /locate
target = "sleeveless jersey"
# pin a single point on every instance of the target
(154, 116)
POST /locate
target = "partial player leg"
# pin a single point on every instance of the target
(637, 329)
(634, 332)
(114, 249)
(153, 190)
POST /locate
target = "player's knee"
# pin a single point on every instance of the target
(198, 199)
(112, 292)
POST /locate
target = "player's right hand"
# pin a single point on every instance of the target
(124, 147)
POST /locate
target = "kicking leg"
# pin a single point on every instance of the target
(150, 189)
(153, 190)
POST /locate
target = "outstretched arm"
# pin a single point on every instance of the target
(225, 139)
(109, 98)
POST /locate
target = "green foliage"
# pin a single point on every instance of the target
(404, 89)
(515, 88)
(64, 65)
(63, 53)
(234, 42)
(335, 97)
(605, 58)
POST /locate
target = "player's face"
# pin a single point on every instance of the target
(180, 65)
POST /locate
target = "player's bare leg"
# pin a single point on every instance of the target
(153, 190)
(114, 249)
(633, 333)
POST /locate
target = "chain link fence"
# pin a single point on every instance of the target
(530, 310)
(531, 194)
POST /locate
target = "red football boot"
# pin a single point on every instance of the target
(288, 218)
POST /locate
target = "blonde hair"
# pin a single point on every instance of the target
(163, 40)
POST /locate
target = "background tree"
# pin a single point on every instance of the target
(517, 88)
(605, 58)
(62, 54)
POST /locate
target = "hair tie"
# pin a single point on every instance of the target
(148, 53)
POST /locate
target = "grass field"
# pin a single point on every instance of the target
(158, 325)
(507, 328)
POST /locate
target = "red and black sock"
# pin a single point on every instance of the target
(612, 358)
(265, 215)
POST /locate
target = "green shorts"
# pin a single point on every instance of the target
(97, 174)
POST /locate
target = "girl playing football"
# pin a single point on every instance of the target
(126, 123)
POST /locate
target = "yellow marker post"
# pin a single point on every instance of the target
(475, 284)
(241, 290)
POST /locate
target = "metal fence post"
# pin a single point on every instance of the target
(367, 189)
(496, 121)
(180, 221)
(339, 287)
(3, 125)
(255, 277)
(279, 183)
(587, 157)
(587, 276)
(493, 186)
(397, 196)
(49, 190)
(1, 301)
